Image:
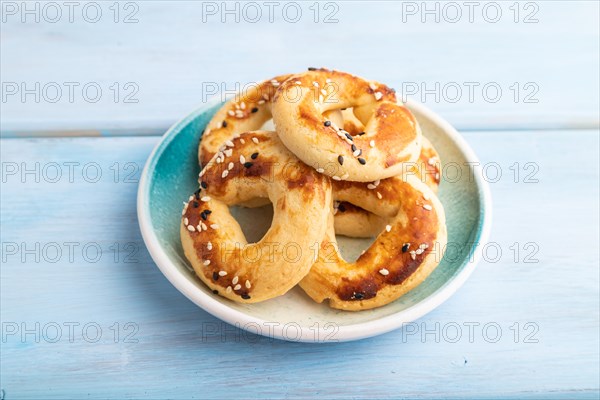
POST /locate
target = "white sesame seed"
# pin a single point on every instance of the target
(372, 143)
(231, 113)
(237, 287)
(372, 86)
(228, 290)
(243, 105)
(324, 92)
(425, 196)
(242, 141)
(336, 178)
(229, 143)
(248, 284)
(199, 228)
(384, 272)
(388, 228)
(228, 152)
(215, 226)
(413, 255)
(327, 80)
(202, 172)
(224, 174)
(235, 280)
(427, 207)
(371, 186)
(431, 161)
(261, 102)
(298, 83)
(320, 170)
(335, 211)
(207, 132)
(423, 246)
(378, 95)
(265, 96)
(205, 198)
(242, 159)
(191, 228)
(204, 227)
(345, 176)
(190, 198)
(230, 166)
(316, 84)
(379, 196)
(185, 221)
(356, 153)
(377, 182)
(206, 262)
(222, 273)
(419, 251)
(255, 140)
(209, 245)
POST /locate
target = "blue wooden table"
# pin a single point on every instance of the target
(85, 312)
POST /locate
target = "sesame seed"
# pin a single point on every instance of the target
(202, 173)
(419, 251)
(255, 140)
(379, 196)
(320, 98)
(423, 246)
(191, 228)
(427, 207)
(341, 207)
(203, 215)
(228, 290)
(215, 226)
(242, 141)
(345, 176)
(237, 287)
(206, 262)
(195, 204)
(242, 159)
(254, 155)
(215, 275)
(312, 69)
(245, 296)
(336, 178)
(203, 226)
(377, 182)
(405, 247)
(235, 280)
(349, 136)
(388, 228)
(362, 133)
(222, 273)
(431, 161)
(229, 143)
(248, 164)
(224, 124)
(324, 92)
(224, 174)
(327, 123)
(362, 160)
(248, 284)
(231, 113)
(207, 132)
(437, 176)
(425, 196)
(254, 109)
(371, 186)
(372, 143)
(384, 272)
(413, 255)
(298, 83)
(215, 291)
(357, 152)
(243, 105)
(316, 84)
(341, 160)
(205, 198)
(373, 86)
(320, 170)
(353, 147)
(378, 95)
(209, 246)
(204, 184)
(327, 80)
(199, 228)
(185, 221)
(261, 102)
(228, 152)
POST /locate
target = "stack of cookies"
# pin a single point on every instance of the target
(345, 158)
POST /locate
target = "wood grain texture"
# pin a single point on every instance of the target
(179, 351)
(170, 53)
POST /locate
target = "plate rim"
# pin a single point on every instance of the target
(345, 332)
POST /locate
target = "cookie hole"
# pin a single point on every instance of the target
(255, 222)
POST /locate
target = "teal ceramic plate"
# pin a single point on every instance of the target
(170, 176)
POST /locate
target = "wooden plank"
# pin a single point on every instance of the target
(178, 351)
(171, 60)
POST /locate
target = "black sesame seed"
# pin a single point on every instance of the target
(195, 204)
(359, 296)
(224, 124)
(215, 291)
(360, 134)
(215, 276)
(197, 194)
(248, 164)
(341, 207)
(343, 109)
(353, 148)
(254, 109)
(327, 123)
(204, 184)
(341, 160)
(245, 296)
(254, 155)
(312, 69)
(405, 247)
(207, 212)
(349, 136)
(362, 160)
(203, 215)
